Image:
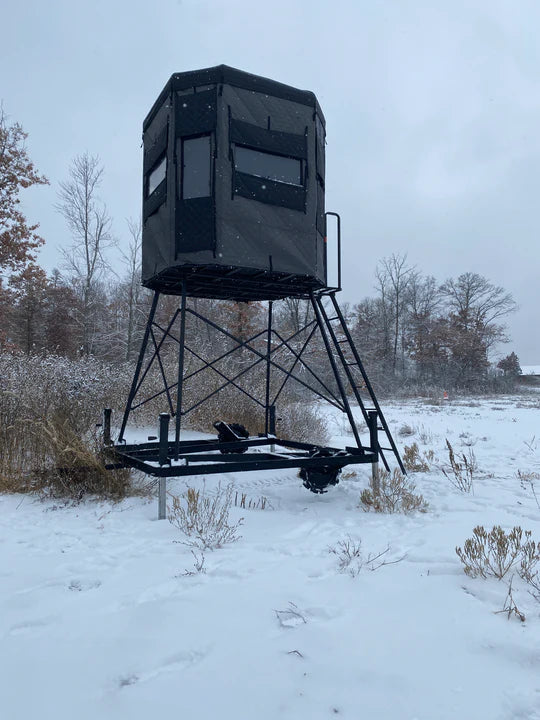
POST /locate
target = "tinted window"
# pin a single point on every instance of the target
(267, 165)
(196, 167)
(157, 175)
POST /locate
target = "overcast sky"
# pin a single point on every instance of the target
(432, 111)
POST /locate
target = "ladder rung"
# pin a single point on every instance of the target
(333, 318)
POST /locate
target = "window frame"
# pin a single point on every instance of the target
(161, 159)
(180, 181)
(301, 161)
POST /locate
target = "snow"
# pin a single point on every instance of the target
(98, 619)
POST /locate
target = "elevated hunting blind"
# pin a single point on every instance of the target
(233, 209)
(233, 192)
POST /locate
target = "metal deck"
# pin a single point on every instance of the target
(204, 457)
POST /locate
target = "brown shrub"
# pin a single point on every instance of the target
(204, 518)
(49, 406)
(414, 460)
(496, 552)
(392, 493)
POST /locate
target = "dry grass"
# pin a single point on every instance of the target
(416, 461)
(75, 467)
(349, 555)
(242, 500)
(48, 409)
(204, 518)
(496, 552)
(49, 457)
(510, 609)
(392, 493)
(49, 406)
(528, 481)
(351, 559)
(461, 469)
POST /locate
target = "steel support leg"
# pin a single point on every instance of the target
(268, 370)
(180, 373)
(142, 352)
(163, 460)
(107, 426)
(374, 445)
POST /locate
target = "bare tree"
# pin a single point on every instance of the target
(475, 307)
(90, 225)
(393, 276)
(294, 313)
(132, 259)
(478, 305)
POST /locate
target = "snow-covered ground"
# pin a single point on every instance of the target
(98, 619)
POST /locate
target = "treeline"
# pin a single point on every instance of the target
(413, 331)
(422, 332)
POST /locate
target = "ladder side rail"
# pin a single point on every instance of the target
(368, 384)
(350, 376)
(316, 303)
(348, 372)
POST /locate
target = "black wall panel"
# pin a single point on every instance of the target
(259, 234)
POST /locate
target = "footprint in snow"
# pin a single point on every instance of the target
(126, 680)
(83, 585)
(28, 627)
(173, 663)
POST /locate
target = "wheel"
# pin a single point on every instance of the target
(317, 480)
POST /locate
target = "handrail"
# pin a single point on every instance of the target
(336, 215)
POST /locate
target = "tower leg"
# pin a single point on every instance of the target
(374, 444)
(140, 359)
(163, 460)
(180, 374)
(268, 369)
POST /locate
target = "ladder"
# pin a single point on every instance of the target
(338, 342)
